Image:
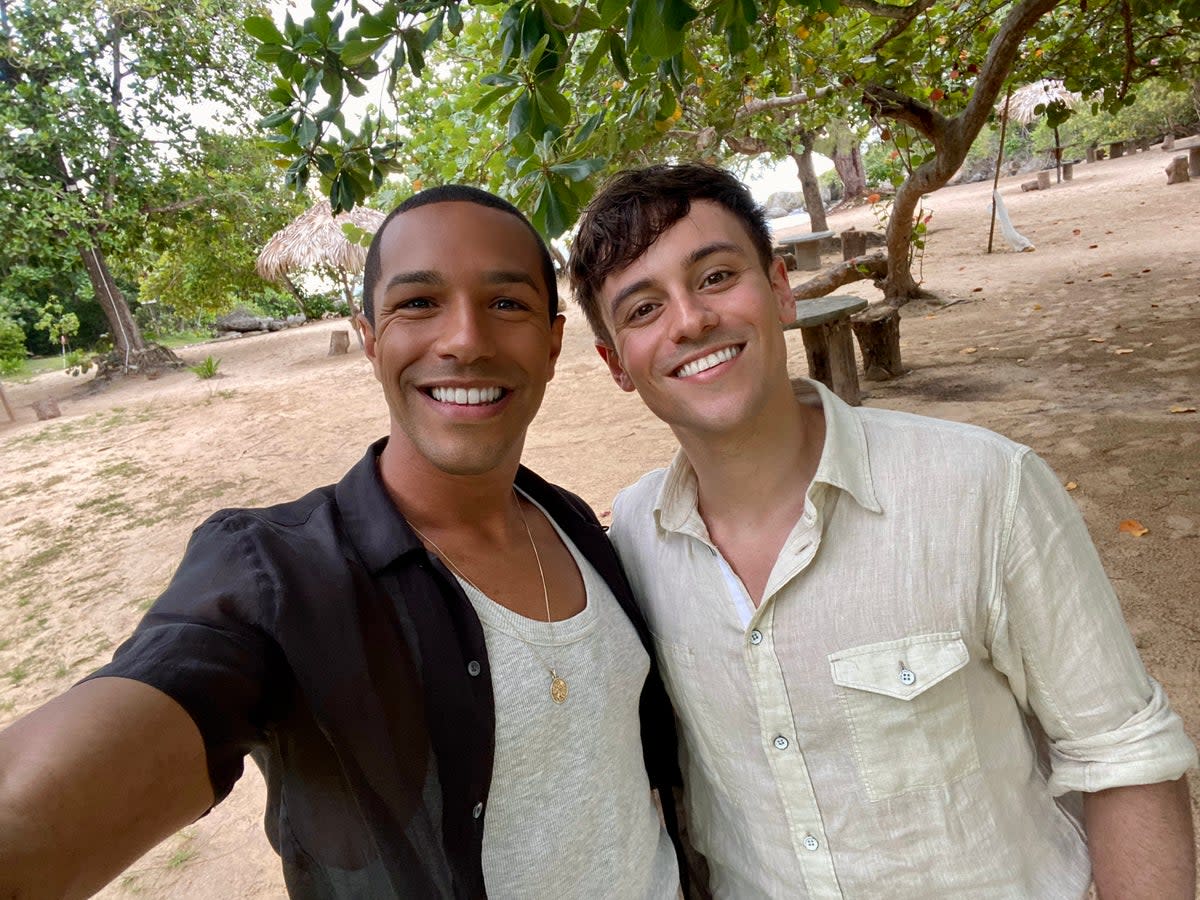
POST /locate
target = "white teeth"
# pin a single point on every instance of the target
(466, 396)
(707, 362)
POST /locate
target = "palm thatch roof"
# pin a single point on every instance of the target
(315, 238)
(1022, 105)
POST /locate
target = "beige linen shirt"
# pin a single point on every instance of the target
(875, 727)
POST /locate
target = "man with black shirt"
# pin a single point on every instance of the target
(436, 662)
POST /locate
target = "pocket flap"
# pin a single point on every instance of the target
(900, 669)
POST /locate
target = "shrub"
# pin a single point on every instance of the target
(208, 368)
(12, 347)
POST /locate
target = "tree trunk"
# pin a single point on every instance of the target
(296, 295)
(874, 266)
(809, 184)
(126, 336)
(901, 286)
(849, 167)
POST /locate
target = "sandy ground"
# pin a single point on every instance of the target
(1080, 349)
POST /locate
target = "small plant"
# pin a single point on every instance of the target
(207, 369)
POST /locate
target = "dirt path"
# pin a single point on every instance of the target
(1080, 349)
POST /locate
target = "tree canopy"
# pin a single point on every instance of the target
(561, 92)
(97, 103)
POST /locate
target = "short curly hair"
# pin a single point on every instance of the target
(632, 211)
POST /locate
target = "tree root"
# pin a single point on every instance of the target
(150, 361)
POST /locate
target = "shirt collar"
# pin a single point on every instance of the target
(845, 464)
(375, 527)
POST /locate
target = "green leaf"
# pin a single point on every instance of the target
(277, 118)
(616, 46)
(580, 169)
(488, 99)
(262, 29)
(454, 19)
(518, 120)
(497, 79)
(555, 104)
(589, 127)
(414, 41)
(356, 50)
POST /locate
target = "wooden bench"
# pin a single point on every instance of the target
(829, 344)
(806, 249)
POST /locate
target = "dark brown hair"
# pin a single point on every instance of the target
(634, 208)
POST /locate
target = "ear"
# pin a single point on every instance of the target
(782, 290)
(556, 339)
(368, 334)
(619, 375)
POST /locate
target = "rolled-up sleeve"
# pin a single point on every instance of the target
(1108, 723)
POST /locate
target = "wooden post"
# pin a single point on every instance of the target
(830, 351)
(12, 416)
(1068, 171)
(1169, 142)
(1177, 170)
(339, 342)
(1194, 162)
(1043, 180)
(808, 254)
(1090, 154)
(878, 333)
(854, 243)
(1116, 149)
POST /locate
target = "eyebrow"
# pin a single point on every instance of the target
(434, 279)
(688, 261)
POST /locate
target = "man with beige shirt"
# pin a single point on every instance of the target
(897, 663)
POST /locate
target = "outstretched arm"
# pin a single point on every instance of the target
(91, 781)
(1141, 841)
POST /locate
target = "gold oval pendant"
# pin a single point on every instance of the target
(558, 690)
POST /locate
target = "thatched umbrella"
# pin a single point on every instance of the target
(315, 239)
(1022, 106)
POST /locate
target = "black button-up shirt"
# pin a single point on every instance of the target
(320, 637)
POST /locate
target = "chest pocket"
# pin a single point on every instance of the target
(907, 708)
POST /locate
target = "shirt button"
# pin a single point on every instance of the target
(907, 676)
(756, 637)
(477, 811)
(781, 743)
(473, 668)
(810, 842)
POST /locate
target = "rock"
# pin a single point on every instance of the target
(788, 201)
(775, 212)
(295, 320)
(242, 321)
(276, 324)
(46, 409)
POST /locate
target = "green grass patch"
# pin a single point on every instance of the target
(184, 339)
(127, 468)
(108, 505)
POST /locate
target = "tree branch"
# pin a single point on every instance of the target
(754, 107)
(886, 10)
(873, 265)
(902, 22)
(883, 102)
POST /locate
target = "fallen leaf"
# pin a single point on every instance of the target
(1093, 246)
(606, 514)
(931, 316)
(968, 350)
(1121, 351)
(1072, 281)
(1097, 340)
(1145, 270)
(1154, 306)
(1134, 527)
(1179, 410)
(1076, 231)
(976, 290)
(1070, 485)
(1106, 275)
(1037, 306)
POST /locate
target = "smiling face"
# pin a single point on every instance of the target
(695, 324)
(463, 342)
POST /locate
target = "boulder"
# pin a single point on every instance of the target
(241, 321)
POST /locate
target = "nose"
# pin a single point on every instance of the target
(465, 335)
(692, 317)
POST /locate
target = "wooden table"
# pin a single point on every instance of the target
(806, 248)
(828, 342)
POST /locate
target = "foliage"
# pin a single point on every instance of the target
(12, 347)
(564, 91)
(206, 369)
(60, 326)
(95, 106)
(212, 219)
(1158, 108)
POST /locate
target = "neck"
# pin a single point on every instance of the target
(768, 465)
(437, 501)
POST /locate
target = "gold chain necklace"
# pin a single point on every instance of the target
(558, 687)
